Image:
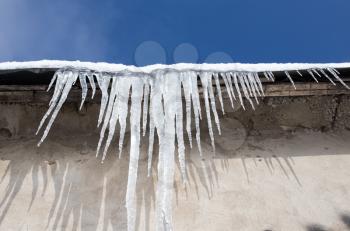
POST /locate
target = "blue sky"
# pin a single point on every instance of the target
(117, 31)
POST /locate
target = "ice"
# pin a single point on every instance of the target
(255, 90)
(244, 88)
(92, 83)
(229, 79)
(212, 102)
(107, 116)
(145, 108)
(335, 73)
(121, 111)
(290, 78)
(270, 73)
(135, 129)
(186, 84)
(196, 108)
(228, 89)
(326, 75)
(53, 79)
(267, 76)
(204, 79)
(247, 84)
(218, 89)
(299, 73)
(70, 80)
(103, 82)
(312, 75)
(60, 83)
(179, 130)
(157, 97)
(258, 82)
(84, 88)
(237, 88)
(315, 70)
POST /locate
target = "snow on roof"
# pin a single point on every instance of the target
(220, 67)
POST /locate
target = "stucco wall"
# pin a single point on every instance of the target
(284, 166)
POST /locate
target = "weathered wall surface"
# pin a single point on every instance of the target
(284, 166)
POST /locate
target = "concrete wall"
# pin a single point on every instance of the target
(284, 166)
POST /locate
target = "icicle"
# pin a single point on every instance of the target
(270, 73)
(179, 128)
(299, 73)
(312, 75)
(247, 84)
(335, 73)
(229, 76)
(213, 103)
(92, 83)
(218, 89)
(82, 80)
(135, 116)
(53, 79)
(156, 114)
(267, 76)
(329, 78)
(122, 109)
(166, 162)
(257, 80)
(237, 89)
(314, 70)
(103, 82)
(186, 84)
(113, 118)
(145, 109)
(107, 117)
(245, 92)
(61, 81)
(290, 78)
(251, 81)
(335, 70)
(204, 79)
(163, 96)
(228, 88)
(196, 107)
(150, 146)
(67, 86)
(254, 83)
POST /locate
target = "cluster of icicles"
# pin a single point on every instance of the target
(156, 99)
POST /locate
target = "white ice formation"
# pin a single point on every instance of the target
(157, 104)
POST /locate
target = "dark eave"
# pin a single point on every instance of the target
(29, 86)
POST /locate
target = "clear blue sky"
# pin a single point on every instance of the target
(111, 30)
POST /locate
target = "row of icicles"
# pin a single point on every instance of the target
(157, 99)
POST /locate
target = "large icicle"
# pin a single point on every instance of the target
(107, 116)
(135, 116)
(212, 102)
(161, 94)
(179, 128)
(166, 162)
(204, 79)
(122, 109)
(103, 82)
(196, 107)
(70, 80)
(145, 109)
(186, 84)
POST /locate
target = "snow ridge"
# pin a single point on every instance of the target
(156, 99)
